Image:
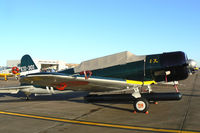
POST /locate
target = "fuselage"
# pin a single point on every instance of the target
(112, 72)
(159, 67)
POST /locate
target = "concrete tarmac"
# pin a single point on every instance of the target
(70, 113)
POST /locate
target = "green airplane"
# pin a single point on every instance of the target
(115, 73)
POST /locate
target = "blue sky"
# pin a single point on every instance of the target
(78, 30)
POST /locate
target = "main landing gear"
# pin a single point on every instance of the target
(141, 105)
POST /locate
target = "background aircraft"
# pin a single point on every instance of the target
(116, 73)
(9, 72)
(193, 66)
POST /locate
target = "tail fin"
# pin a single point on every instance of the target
(28, 66)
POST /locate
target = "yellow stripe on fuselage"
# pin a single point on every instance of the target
(141, 82)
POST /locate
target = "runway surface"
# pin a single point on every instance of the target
(70, 113)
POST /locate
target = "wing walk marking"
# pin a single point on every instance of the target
(140, 82)
(95, 123)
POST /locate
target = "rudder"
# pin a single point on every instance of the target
(27, 65)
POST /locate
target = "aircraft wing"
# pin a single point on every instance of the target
(5, 74)
(77, 82)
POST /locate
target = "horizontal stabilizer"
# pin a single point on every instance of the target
(13, 90)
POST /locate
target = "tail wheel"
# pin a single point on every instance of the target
(141, 105)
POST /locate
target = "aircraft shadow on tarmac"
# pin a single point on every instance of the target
(21, 97)
(112, 107)
(191, 95)
(72, 97)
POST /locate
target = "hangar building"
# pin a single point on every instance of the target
(43, 65)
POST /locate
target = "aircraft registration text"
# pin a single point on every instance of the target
(27, 68)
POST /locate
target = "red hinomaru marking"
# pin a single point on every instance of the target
(15, 70)
(63, 85)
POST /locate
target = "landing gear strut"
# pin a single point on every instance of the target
(28, 96)
(140, 104)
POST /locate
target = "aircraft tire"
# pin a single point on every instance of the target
(141, 105)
